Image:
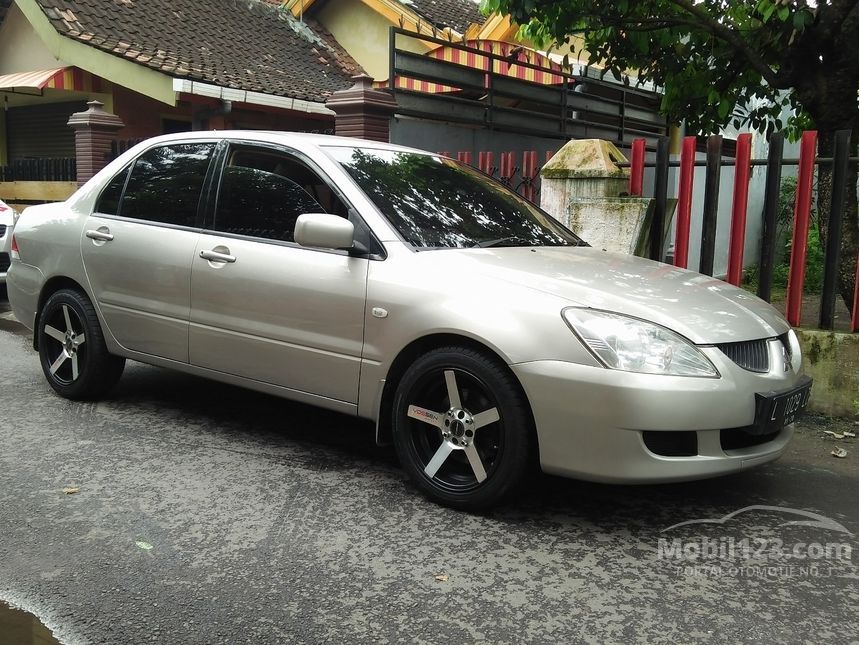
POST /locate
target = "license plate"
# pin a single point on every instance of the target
(775, 410)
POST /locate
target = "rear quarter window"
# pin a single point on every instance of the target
(108, 202)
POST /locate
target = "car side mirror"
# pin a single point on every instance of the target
(324, 231)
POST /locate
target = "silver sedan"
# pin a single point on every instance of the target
(403, 287)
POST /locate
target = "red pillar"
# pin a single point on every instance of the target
(685, 202)
(529, 172)
(485, 162)
(637, 166)
(740, 200)
(802, 203)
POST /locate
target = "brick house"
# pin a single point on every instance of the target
(160, 66)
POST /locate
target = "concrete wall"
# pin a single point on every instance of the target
(830, 358)
(21, 49)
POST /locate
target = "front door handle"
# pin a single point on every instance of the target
(214, 256)
(99, 235)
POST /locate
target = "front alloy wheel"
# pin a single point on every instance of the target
(461, 428)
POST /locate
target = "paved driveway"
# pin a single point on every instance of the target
(208, 514)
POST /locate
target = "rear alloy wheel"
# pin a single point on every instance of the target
(72, 350)
(461, 428)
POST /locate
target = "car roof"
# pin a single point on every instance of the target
(302, 141)
(284, 137)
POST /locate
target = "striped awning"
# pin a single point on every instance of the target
(475, 58)
(61, 78)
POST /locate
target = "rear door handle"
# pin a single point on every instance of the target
(214, 256)
(100, 236)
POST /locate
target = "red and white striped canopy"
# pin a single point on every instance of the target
(60, 78)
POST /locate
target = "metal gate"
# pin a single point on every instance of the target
(515, 90)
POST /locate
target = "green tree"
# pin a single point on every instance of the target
(745, 63)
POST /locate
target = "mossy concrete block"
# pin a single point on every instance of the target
(586, 168)
(582, 169)
(586, 158)
(614, 225)
(830, 358)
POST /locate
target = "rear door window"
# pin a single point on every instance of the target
(166, 183)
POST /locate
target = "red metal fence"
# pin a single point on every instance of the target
(742, 163)
(522, 173)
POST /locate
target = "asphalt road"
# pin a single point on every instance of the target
(208, 514)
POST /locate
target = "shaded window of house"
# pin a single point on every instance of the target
(172, 126)
(166, 182)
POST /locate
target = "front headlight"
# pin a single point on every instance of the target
(633, 345)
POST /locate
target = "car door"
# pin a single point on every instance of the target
(139, 243)
(262, 306)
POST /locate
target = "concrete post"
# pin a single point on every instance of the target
(584, 188)
(362, 111)
(95, 130)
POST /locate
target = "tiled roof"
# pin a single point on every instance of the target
(242, 44)
(344, 60)
(458, 14)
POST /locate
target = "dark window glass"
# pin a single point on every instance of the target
(262, 195)
(165, 184)
(108, 202)
(435, 202)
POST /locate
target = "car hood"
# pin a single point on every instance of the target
(703, 309)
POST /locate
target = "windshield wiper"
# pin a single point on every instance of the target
(501, 241)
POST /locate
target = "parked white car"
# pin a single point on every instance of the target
(7, 221)
(406, 288)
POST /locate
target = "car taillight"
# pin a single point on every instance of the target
(15, 254)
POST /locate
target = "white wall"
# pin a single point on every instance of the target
(21, 50)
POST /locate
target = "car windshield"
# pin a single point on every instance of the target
(435, 202)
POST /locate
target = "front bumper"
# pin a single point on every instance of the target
(597, 424)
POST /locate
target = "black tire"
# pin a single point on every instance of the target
(76, 369)
(443, 441)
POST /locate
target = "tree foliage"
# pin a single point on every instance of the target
(719, 62)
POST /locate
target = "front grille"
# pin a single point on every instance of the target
(750, 355)
(735, 438)
(682, 443)
(4, 262)
(2, 230)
